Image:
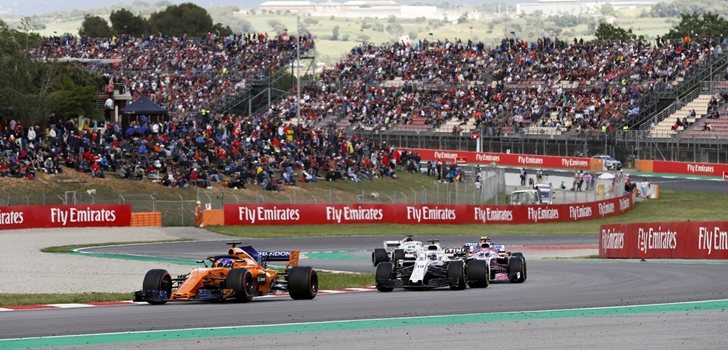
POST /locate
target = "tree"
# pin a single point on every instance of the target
(608, 32)
(181, 19)
(276, 25)
(335, 33)
(710, 25)
(30, 89)
(125, 22)
(395, 29)
(95, 26)
(608, 10)
(222, 30)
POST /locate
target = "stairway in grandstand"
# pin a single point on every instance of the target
(719, 128)
(664, 129)
(655, 103)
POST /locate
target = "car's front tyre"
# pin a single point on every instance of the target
(158, 280)
(383, 276)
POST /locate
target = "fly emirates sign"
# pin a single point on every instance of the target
(671, 240)
(64, 216)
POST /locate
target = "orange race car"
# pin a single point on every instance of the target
(239, 275)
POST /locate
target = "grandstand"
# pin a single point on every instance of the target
(546, 97)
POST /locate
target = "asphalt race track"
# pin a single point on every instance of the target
(572, 291)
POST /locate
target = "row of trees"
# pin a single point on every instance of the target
(695, 26)
(32, 89)
(181, 19)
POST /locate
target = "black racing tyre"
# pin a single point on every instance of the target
(456, 275)
(158, 279)
(525, 265)
(478, 274)
(397, 255)
(379, 255)
(515, 269)
(383, 276)
(302, 283)
(243, 284)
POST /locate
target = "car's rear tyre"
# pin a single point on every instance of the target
(379, 255)
(525, 265)
(456, 275)
(515, 269)
(243, 284)
(302, 283)
(478, 274)
(158, 279)
(383, 276)
(397, 255)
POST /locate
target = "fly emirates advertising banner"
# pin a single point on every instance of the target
(59, 216)
(666, 240)
(315, 214)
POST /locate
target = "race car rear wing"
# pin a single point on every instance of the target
(392, 244)
(501, 248)
(291, 256)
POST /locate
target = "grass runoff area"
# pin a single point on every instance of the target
(672, 206)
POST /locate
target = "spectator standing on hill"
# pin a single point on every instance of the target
(588, 178)
(523, 176)
(108, 108)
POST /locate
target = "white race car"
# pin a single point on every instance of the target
(406, 249)
(433, 267)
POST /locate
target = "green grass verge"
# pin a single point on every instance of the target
(16, 299)
(672, 206)
(71, 247)
(327, 280)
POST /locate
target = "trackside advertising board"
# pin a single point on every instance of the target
(316, 214)
(667, 240)
(49, 216)
(505, 159)
(688, 168)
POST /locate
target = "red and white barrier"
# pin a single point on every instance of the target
(670, 240)
(509, 159)
(50, 216)
(690, 168)
(316, 214)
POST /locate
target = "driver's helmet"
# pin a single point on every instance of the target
(224, 262)
(485, 242)
(432, 256)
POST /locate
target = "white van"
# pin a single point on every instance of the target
(524, 197)
(546, 193)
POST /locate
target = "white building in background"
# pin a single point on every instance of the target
(574, 7)
(302, 7)
(557, 7)
(352, 9)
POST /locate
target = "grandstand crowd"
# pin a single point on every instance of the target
(575, 85)
(180, 74)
